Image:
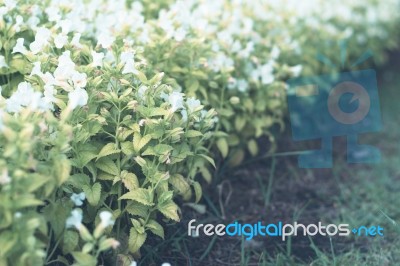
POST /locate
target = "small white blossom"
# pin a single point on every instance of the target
(4, 178)
(60, 40)
(105, 40)
(18, 23)
(242, 85)
(41, 40)
(267, 77)
(142, 90)
(97, 59)
(166, 264)
(275, 52)
(23, 96)
(76, 40)
(142, 122)
(36, 70)
(77, 97)
(3, 62)
(192, 104)
(175, 99)
(79, 79)
(78, 199)
(106, 219)
(296, 70)
(19, 47)
(75, 220)
(10, 4)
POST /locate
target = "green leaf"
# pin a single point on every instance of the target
(142, 77)
(142, 195)
(136, 208)
(84, 259)
(140, 161)
(222, 145)
(127, 147)
(179, 183)
(208, 158)
(193, 133)
(136, 240)
(105, 176)
(93, 193)
(107, 165)
(139, 142)
(107, 150)
(253, 147)
(70, 241)
(169, 209)
(197, 191)
(24, 201)
(79, 180)
(7, 241)
(63, 168)
(130, 180)
(84, 158)
(155, 228)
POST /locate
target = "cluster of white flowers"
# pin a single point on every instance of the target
(227, 26)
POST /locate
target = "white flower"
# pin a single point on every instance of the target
(53, 13)
(242, 85)
(75, 220)
(1, 116)
(127, 58)
(78, 198)
(275, 52)
(3, 62)
(41, 40)
(184, 115)
(36, 70)
(105, 40)
(77, 97)
(18, 22)
(142, 90)
(23, 96)
(296, 70)
(65, 68)
(48, 98)
(4, 178)
(106, 219)
(97, 59)
(180, 34)
(192, 104)
(166, 264)
(266, 74)
(76, 40)
(79, 79)
(175, 99)
(133, 263)
(19, 47)
(10, 4)
(60, 40)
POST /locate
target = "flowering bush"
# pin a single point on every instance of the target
(107, 110)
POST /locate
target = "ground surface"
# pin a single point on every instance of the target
(258, 191)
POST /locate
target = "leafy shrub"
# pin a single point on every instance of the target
(108, 111)
(33, 166)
